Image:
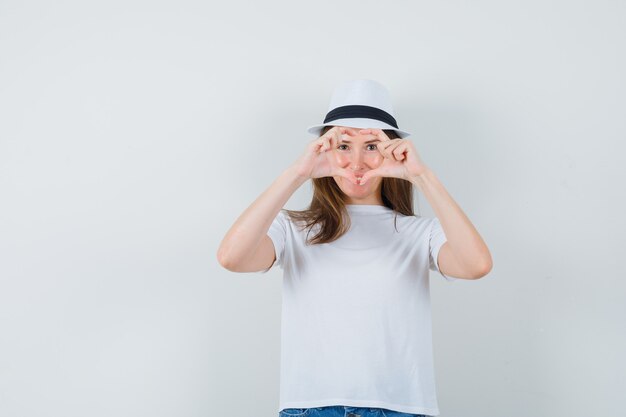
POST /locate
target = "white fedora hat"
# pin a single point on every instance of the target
(360, 103)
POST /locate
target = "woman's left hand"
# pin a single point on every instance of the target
(401, 159)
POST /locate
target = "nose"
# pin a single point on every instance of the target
(356, 160)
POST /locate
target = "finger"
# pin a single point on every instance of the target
(392, 148)
(385, 148)
(376, 132)
(373, 173)
(335, 138)
(368, 133)
(331, 142)
(317, 144)
(339, 130)
(326, 144)
(320, 145)
(399, 151)
(327, 138)
(347, 174)
(350, 131)
(334, 133)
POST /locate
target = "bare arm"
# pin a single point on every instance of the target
(246, 247)
(239, 250)
(465, 254)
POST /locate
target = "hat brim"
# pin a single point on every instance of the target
(358, 123)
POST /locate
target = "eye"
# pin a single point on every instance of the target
(343, 144)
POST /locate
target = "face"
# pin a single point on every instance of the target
(359, 154)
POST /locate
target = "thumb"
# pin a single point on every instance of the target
(370, 174)
(347, 174)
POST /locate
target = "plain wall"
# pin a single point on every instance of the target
(133, 134)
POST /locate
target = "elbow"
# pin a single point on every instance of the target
(222, 259)
(483, 270)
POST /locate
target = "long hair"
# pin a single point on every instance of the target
(328, 205)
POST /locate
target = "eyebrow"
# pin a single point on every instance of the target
(369, 141)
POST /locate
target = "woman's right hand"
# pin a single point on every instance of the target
(319, 159)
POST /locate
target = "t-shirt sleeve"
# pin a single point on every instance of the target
(437, 239)
(278, 233)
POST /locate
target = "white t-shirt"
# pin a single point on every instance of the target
(356, 319)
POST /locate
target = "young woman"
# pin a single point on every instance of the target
(356, 324)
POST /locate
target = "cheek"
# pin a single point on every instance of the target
(376, 159)
(372, 159)
(343, 159)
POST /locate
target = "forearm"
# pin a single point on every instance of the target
(465, 242)
(252, 225)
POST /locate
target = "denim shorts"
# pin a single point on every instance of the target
(344, 411)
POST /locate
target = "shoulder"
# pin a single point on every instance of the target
(284, 217)
(414, 220)
(417, 226)
(289, 221)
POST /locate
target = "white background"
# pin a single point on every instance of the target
(133, 134)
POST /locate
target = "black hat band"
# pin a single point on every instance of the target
(356, 111)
